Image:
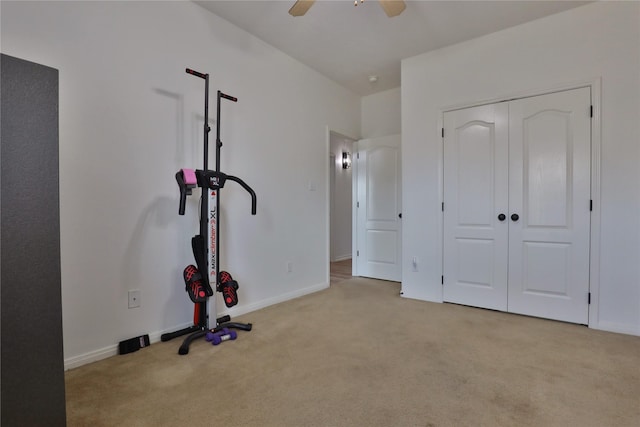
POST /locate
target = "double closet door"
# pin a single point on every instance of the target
(517, 206)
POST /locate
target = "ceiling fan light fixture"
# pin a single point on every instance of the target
(391, 7)
(300, 7)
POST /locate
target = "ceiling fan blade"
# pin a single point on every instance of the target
(300, 7)
(393, 7)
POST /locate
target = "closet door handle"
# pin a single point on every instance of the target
(515, 217)
(502, 217)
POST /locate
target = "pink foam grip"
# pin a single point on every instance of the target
(189, 176)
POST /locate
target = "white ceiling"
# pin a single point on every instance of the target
(348, 44)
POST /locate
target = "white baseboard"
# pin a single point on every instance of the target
(341, 257)
(240, 310)
(154, 337)
(92, 356)
(601, 326)
(617, 328)
(112, 350)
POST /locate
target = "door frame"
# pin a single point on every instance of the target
(596, 136)
(327, 158)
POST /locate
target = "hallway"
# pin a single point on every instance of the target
(339, 271)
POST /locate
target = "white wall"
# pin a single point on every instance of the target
(599, 40)
(381, 114)
(341, 211)
(130, 117)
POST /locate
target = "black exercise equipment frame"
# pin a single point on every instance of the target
(208, 180)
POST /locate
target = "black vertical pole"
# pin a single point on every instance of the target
(203, 317)
(206, 122)
(218, 140)
(218, 147)
(204, 206)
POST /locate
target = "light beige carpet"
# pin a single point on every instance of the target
(359, 355)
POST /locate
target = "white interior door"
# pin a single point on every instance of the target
(528, 160)
(476, 189)
(378, 208)
(549, 175)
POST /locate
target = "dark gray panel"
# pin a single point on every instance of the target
(32, 365)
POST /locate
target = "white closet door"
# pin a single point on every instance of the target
(528, 159)
(476, 191)
(549, 191)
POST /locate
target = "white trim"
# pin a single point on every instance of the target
(92, 356)
(594, 264)
(595, 86)
(154, 337)
(355, 156)
(112, 350)
(332, 205)
(245, 309)
(441, 198)
(342, 258)
(327, 195)
(524, 94)
(618, 328)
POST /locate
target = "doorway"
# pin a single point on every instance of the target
(340, 205)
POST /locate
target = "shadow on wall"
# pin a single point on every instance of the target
(161, 214)
(179, 100)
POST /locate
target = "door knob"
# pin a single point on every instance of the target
(400, 215)
(502, 217)
(515, 217)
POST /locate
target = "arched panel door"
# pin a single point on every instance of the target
(550, 192)
(476, 190)
(517, 206)
(379, 209)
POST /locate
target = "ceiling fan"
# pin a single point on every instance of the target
(391, 7)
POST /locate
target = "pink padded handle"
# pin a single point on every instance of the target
(189, 176)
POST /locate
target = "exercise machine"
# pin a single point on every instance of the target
(199, 278)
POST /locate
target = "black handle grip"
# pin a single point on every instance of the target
(515, 217)
(183, 192)
(229, 97)
(195, 73)
(216, 180)
(223, 319)
(502, 217)
(249, 190)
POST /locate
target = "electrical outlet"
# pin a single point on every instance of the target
(134, 298)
